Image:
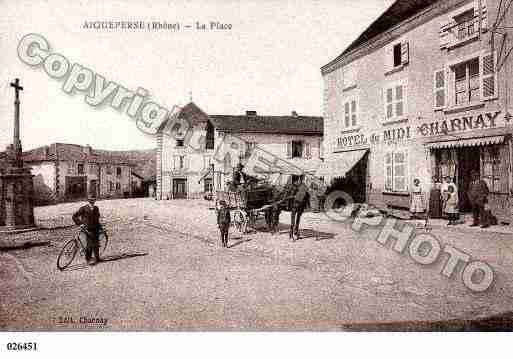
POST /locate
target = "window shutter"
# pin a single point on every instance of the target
(388, 172)
(405, 53)
(389, 58)
(488, 77)
(308, 150)
(439, 85)
(480, 9)
(289, 149)
(444, 35)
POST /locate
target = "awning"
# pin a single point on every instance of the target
(483, 141)
(340, 166)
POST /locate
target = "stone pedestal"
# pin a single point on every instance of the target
(18, 193)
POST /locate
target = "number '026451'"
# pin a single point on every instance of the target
(22, 346)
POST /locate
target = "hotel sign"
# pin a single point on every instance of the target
(388, 136)
(464, 123)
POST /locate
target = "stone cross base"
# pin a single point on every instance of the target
(16, 199)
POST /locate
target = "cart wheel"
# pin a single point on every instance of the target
(240, 220)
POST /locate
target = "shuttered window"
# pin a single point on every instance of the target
(439, 89)
(350, 112)
(395, 101)
(396, 55)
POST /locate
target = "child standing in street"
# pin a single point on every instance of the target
(223, 222)
(451, 206)
(417, 205)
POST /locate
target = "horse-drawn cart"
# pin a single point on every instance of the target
(246, 204)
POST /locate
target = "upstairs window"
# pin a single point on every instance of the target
(209, 144)
(179, 143)
(465, 83)
(395, 101)
(297, 149)
(464, 24)
(118, 171)
(397, 55)
(350, 113)
(80, 168)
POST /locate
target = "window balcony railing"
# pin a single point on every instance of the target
(464, 30)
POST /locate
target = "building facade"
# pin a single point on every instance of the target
(65, 172)
(424, 91)
(183, 169)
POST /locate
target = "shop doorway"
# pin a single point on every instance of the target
(468, 162)
(353, 183)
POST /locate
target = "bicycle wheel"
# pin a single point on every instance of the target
(103, 239)
(68, 253)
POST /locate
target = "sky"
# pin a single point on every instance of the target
(269, 61)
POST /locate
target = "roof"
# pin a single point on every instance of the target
(72, 152)
(399, 11)
(192, 113)
(253, 123)
(309, 125)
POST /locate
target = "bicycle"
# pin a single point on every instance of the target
(76, 244)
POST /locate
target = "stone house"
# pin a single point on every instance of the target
(183, 170)
(65, 172)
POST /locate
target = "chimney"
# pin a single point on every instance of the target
(87, 150)
(294, 114)
(251, 113)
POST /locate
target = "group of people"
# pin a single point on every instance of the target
(294, 197)
(444, 201)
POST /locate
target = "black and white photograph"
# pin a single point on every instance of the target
(236, 168)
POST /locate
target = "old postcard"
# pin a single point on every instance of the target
(256, 166)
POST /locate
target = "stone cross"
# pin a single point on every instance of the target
(16, 141)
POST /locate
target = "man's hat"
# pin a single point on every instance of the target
(91, 198)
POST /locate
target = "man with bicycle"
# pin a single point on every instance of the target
(89, 215)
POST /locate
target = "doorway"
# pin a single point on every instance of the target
(93, 187)
(468, 162)
(179, 188)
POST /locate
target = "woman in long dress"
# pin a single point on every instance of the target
(417, 205)
(435, 199)
(451, 205)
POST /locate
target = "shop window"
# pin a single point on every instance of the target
(493, 168)
(395, 101)
(350, 113)
(111, 186)
(118, 186)
(396, 171)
